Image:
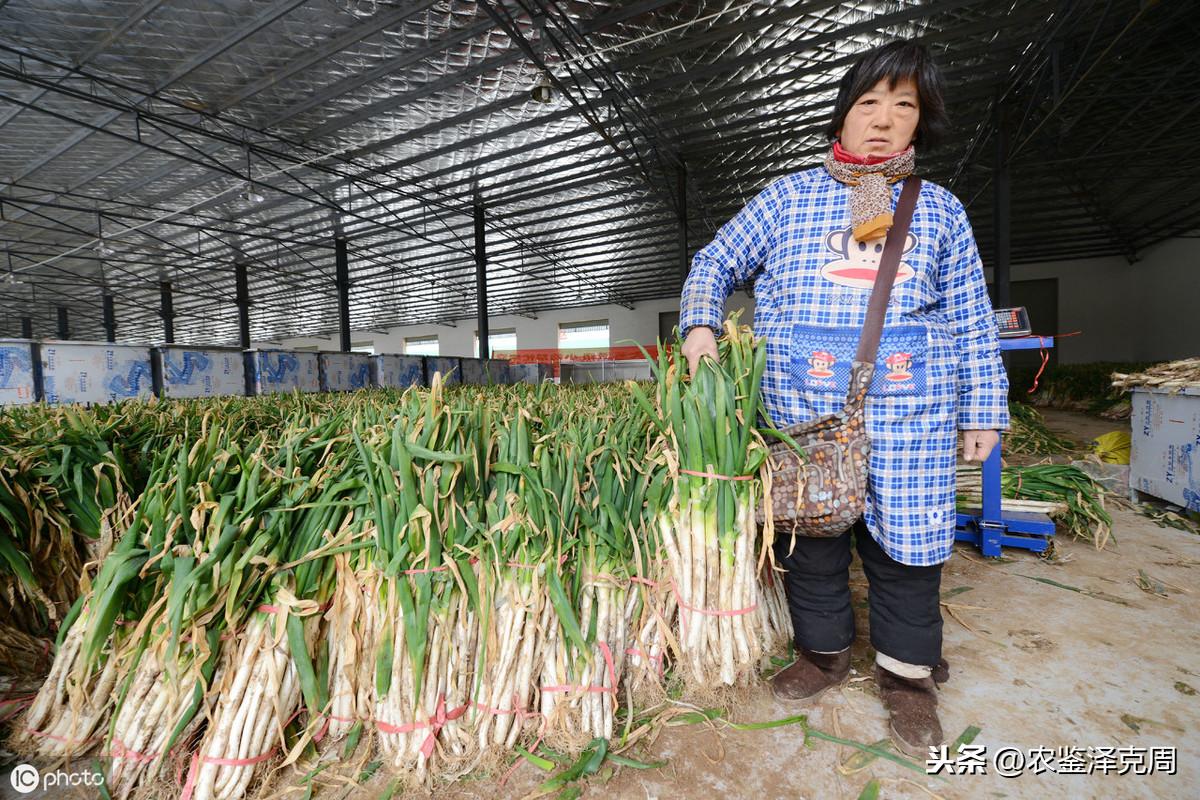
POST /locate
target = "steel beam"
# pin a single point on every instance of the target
(242, 298)
(1001, 212)
(342, 263)
(110, 319)
(681, 181)
(166, 311)
(481, 283)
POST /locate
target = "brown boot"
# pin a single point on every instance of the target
(911, 704)
(941, 672)
(812, 675)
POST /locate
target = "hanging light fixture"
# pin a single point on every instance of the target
(542, 91)
(102, 248)
(251, 196)
(249, 193)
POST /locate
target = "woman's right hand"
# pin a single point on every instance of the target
(700, 342)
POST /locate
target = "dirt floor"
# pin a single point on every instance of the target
(1063, 653)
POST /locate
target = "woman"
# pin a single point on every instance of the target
(811, 242)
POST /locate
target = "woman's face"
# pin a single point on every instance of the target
(883, 120)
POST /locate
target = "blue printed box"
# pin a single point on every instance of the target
(94, 372)
(208, 372)
(284, 371)
(17, 385)
(345, 372)
(397, 372)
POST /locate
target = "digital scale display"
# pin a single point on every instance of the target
(1013, 322)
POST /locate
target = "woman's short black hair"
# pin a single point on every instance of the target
(894, 62)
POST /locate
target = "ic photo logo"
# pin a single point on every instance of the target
(25, 778)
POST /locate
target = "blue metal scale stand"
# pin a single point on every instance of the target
(993, 528)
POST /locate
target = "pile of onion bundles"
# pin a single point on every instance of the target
(426, 578)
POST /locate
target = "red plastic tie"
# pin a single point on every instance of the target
(193, 773)
(425, 570)
(708, 612)
(18, 705)
(435, 723)
(119, 750)
(1045, 360)
(612, 674)
(657, 660)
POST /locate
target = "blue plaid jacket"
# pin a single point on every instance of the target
(938, 368)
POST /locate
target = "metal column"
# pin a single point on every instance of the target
(485, 351)
(26, 327)
(1002, 213)
(110, 319)
(681, 200)
(242, 282)
(343, 291)
(64, 323)
(167, 311)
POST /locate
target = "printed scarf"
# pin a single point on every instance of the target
(869, 179)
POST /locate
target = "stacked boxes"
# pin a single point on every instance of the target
(283, 371)
(345, 372)
(1165, 458)
(17, 377)
(191, 372)
(397, 372)
(448, 367)
(94, 372)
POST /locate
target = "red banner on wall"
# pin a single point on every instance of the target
(555, 356)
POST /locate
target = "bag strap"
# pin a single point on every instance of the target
(889, 263)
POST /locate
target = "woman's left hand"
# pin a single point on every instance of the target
(977, 445)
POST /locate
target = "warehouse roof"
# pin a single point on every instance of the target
(149, 140)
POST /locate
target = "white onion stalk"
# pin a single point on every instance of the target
(510, 651)
(69, 709)
(260, 691)
(351, 620)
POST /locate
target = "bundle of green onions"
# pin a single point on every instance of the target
(1086, 517)
(62, 487)
(714, 453)
(1029, 434)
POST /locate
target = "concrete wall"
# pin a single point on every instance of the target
(1166, 294)
(1093, 298)
(1146, 311)
(639, 325)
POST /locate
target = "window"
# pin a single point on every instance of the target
(363, 347)
(502, 344)
(587, 336)
(421, 346)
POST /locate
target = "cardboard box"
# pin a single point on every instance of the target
(345, 372)
(284, 371)
(94, 372)
(17, 376)
(397, 372)
(199, 372)
(449, 368)
(1165, 460)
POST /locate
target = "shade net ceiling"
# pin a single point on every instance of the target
(167, 140)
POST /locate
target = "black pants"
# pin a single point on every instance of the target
(905, 615)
